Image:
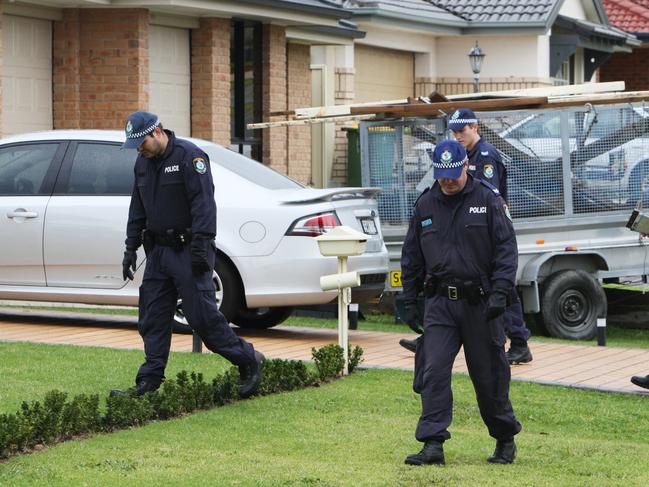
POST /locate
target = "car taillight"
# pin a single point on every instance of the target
(314, 225)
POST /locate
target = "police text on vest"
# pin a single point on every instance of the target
(477, 209)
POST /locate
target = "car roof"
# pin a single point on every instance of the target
(86, 134)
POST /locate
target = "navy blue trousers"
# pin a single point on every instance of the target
(447, 326)
(167, 276)
(514, 322)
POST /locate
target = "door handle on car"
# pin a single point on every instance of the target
(22, 213)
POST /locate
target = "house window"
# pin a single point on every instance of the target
(245, 78)
(566, 73)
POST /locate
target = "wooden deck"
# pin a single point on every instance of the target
(581, 366)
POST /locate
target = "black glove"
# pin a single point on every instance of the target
(129, 262)
(412, 317)
(496, 304)
(198, 248)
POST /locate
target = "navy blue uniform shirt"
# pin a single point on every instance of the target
(485, 163)
(173, 191)
(467, 236)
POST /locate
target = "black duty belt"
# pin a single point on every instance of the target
(455, 290)
(172, 238)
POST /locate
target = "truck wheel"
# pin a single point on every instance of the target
(571, 302)
(229, 294)
(261, 318)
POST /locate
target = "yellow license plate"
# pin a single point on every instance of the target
(395, 278)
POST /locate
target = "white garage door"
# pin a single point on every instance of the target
(26, 74)
(170, 77)
(383, 74)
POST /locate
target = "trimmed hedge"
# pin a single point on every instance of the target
(57, 419)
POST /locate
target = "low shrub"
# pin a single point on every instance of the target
(57, 419)
(330, 362)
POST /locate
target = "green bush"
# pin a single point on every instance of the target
(81, 415)
(330, 362)
(125, 410)
(355, 358)
(56, 419)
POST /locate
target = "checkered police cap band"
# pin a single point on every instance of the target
(462, 121)
(146, 131)
(449, 165)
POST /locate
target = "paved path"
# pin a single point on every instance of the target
(589, 367)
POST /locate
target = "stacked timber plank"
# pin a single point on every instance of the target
(437, 105)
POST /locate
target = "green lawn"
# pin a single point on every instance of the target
(353, 432)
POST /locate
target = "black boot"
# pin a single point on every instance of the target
(250, 376)
(505, 452)
(431, 454)
(519, 353)
(410, 345)
(141, 388)
(641, 381)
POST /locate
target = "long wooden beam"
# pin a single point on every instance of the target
(435, 108)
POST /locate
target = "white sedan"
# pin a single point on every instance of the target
(64, 198)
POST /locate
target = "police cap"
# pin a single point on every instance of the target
(448, 159)
(460, 118)
(138, 126)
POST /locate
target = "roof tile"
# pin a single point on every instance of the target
(628, 15)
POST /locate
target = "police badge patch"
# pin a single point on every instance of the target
(488, 170)
(200, 165)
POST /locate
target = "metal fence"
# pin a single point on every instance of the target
(560, 162)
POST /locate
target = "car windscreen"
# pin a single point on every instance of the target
(249, 169)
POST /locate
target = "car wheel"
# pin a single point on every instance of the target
(260, 318)
(229, 293)
(571, 302)
(639, 183)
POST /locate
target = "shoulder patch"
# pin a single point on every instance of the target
(199, 165)
(490, 186)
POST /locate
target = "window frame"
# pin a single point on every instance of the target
(52, 172)
(62, 182)
(241, 138)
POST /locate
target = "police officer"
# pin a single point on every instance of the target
(485, 163)
(460, 249)
(173, 214)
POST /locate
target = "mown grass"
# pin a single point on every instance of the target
(353, 432)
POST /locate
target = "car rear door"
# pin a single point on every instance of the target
(27, 174)
(86, 219)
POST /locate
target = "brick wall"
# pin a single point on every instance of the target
(299, 96)
(456, 86)
(65, 71)
(1, 57)
(210, 92)
(274, 87)
(632, 68)
(111, 76)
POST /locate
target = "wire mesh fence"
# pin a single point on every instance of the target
(570, 161)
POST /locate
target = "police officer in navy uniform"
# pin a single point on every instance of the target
(485, 163)
(173, 214)
(460, 249)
